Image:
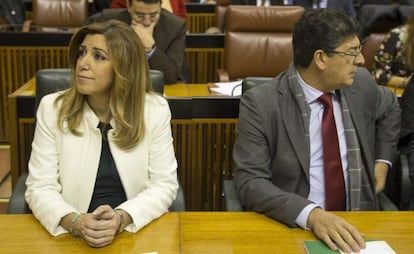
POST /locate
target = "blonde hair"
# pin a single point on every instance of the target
(409, 48)
(130, 85)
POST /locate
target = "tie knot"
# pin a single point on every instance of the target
(326, 100)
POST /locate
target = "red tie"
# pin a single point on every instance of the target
(334, 177)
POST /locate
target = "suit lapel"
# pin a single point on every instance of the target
(358, 120)
(294, 126)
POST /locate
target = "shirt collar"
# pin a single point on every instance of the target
(310, 94)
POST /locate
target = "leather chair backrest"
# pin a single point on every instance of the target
(108, 13)
(221, 9)
(50, 81)
(53, 80)
(371, 45)
(60, 13)
(258, 40)
(250, 82)
(157, 79)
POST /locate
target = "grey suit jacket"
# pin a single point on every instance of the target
(271, 157)
(169, 36)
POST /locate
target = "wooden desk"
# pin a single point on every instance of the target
(247, 232)
(186, 90)
(24, 234)
(396, 90)
(205, 232)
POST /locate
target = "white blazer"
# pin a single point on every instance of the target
(63, 167)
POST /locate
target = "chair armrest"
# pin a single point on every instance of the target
(231, 201)
(407, 187)
(17, 202)
(178, 204)
(385, 203)
(222, 75)
(26, 25)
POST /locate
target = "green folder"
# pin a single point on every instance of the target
(318, 247)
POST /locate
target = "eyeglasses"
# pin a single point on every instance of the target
(142, 16)
(353, 53)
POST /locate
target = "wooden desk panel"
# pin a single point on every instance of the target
(238, 233)
(248, 232)
(205, 232)
(396, 228)
(200, 22)
(186, 90)
(24, 234)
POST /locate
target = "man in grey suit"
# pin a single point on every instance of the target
(278, 153)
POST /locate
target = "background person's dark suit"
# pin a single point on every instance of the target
(272, 159)
(346, 6)
(169, 35)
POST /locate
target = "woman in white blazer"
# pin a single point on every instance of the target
(102, 156)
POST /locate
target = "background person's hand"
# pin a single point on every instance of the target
(335, 231)
(145, 33)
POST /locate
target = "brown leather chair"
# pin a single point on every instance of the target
(258, 41)
(57, 15)
(221, 9)
(371, 44)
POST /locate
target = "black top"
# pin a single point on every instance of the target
(108, 188)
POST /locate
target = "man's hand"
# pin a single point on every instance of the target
(381, 170)
(335, 231)
(145, 33)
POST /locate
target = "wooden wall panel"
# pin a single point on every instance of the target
(18, 65)
(200, 22)
(212, 144)
(203, 63)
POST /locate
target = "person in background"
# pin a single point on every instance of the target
(407, 105)
(162, 33)
(261, 2)
(174, 6)
(102, 157)
(98, 6)
(390, 61)
(346, 6)
(319, 137)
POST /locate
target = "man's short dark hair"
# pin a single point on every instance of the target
(321, 29)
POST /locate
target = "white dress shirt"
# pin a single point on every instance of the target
(316, 170)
